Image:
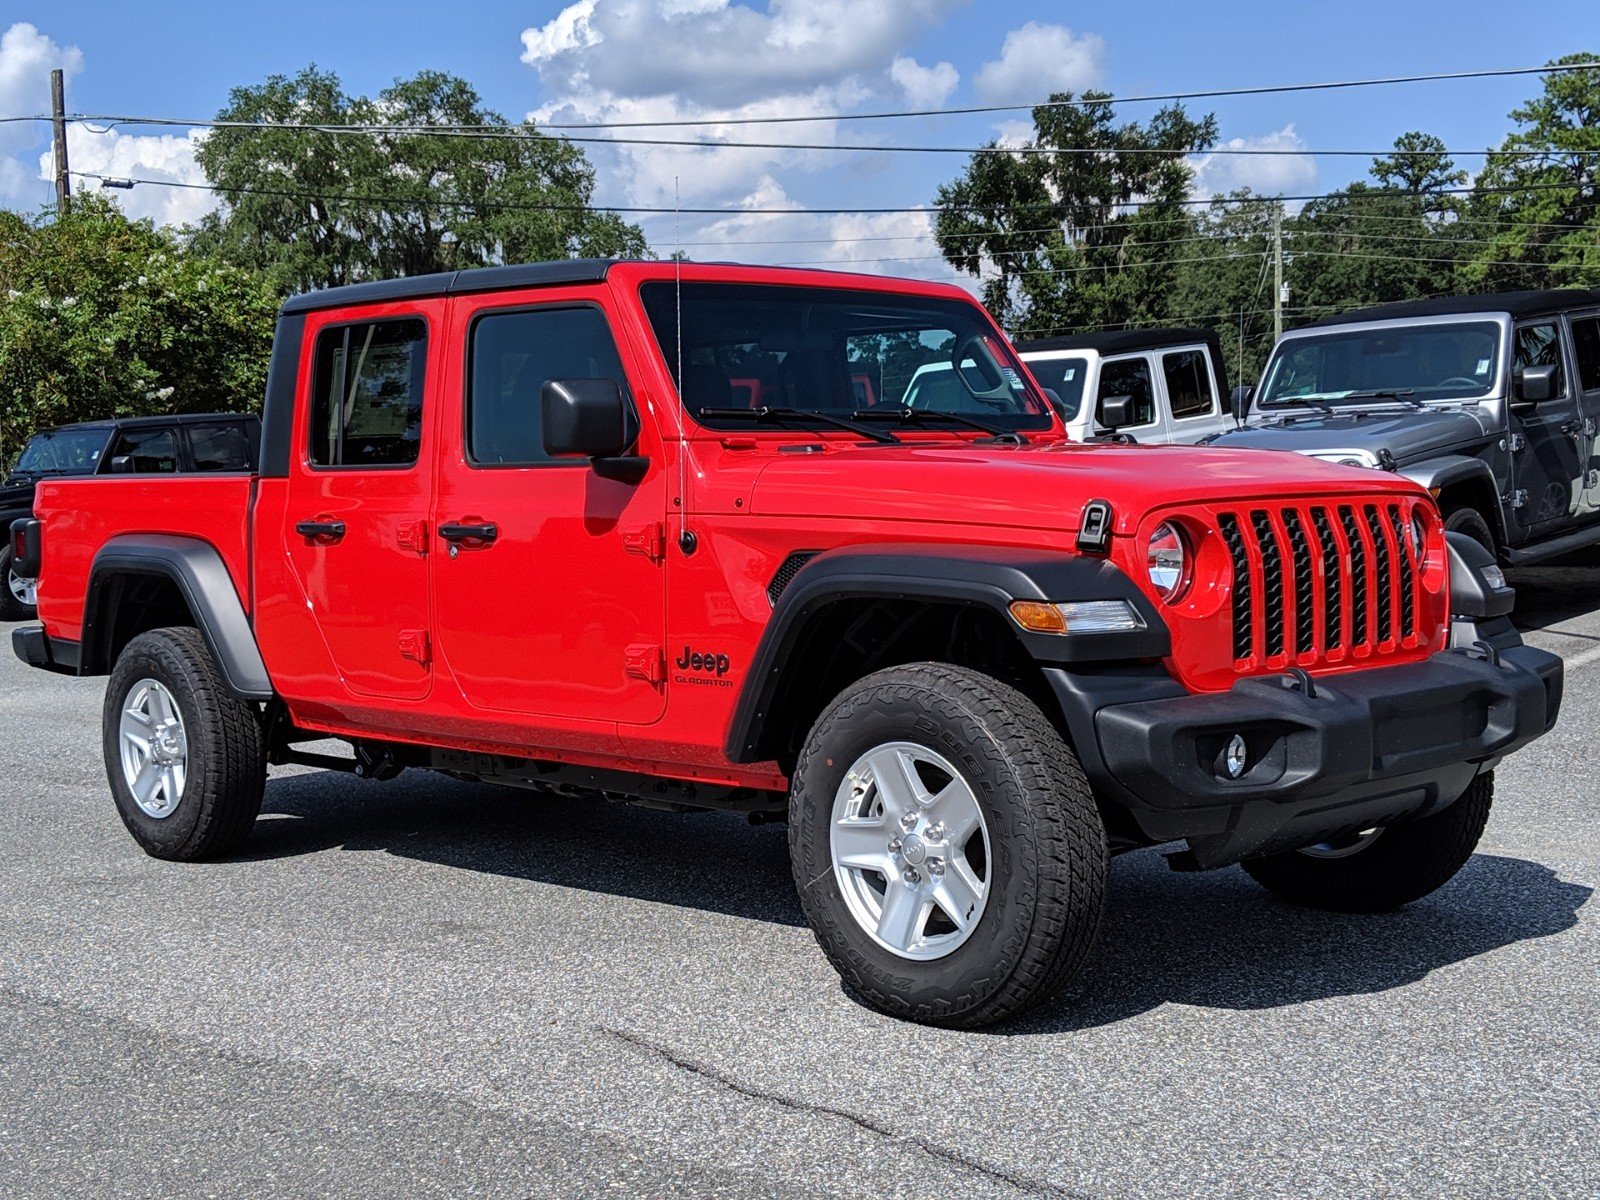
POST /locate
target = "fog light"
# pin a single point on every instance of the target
(1234, 758)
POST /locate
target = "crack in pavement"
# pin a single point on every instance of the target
(955, 1158)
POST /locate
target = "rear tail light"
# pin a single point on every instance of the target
(25, 547)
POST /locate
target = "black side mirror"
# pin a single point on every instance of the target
(1536, 384)
(591, 418)
(1116, 411)
(1239, 400)
(122, 464)
(1056, 402)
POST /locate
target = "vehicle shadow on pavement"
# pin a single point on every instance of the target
(712, 861)
(1218, 940)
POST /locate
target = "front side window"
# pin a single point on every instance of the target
(1455, 360)
(746, 348)
(366, 406)
(1065, 377)
(1586, 345)
(224, 446)
(1540, 346)
(1127, 377)
(1188, 384)
(514, 354)
(151, 451)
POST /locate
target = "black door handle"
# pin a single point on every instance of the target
(322, 531)
(484, 532)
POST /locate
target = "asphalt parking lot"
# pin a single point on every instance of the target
(428, 988)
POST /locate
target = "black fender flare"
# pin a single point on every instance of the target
(987, 576)
(1451, 470)
(197, 569)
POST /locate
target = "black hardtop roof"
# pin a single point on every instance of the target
(1119, 341)
(453, 283)
(1516, 304)
(140, 422)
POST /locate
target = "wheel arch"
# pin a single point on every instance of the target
(1460, 481)
(849, 612)
(140, 582)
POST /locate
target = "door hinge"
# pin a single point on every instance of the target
(1516, 499)
(646, 662)
(413, 536)
(1514, 443)
(650, 541)
(414, 645)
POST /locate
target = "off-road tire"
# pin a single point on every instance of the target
(227, 755)
(1471, 522)
(11, 609)
(1047, 874)
(1407, 862)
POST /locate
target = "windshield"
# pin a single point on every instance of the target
(1454, 361)
(62, 452)
(837, 354)
(1065, 377)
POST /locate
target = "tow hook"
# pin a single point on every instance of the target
(1482, 651)
(1295, 679)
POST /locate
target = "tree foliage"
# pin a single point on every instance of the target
(317, 209)
(101, 316)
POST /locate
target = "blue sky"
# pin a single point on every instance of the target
(663, 58)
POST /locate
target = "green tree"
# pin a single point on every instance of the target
(101, 317)
(1540, 207)
(319, 209)
(1225, 282)
(1079, 237)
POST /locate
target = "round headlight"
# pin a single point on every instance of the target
(1167, 559)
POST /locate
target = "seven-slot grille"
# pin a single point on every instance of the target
(1321, 580)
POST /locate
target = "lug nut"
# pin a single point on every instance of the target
(935, 831)
(936, 867)
(911, 875)
(908, 822)
(894, 845)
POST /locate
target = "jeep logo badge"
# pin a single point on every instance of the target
(713, 664)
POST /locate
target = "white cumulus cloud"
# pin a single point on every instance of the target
(924, 87)
(1039, 59)
(26, 59)
(165, 158)
(1265, 174)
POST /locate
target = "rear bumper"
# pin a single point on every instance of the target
(1365, 748)
(36, 648)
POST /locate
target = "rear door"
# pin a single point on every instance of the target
(354, 521)
(558, 608)
(1190, 397)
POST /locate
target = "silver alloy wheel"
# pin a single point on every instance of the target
(1343, 847)
(155, 749)
(23, 591)
(910, 850)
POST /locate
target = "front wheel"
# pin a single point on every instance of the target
(946, 846)
(187, 761)
(1378, 869)
(19, 597)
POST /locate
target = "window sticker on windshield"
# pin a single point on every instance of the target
(1070, 373)
(1012, 378)
(1483, 367)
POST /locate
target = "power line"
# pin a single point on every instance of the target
(1079, 102)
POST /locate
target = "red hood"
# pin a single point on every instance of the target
(1042, 487)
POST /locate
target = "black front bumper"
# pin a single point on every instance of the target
(1357, 750)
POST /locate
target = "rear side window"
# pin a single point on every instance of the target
(224, 446)
(513, 355)
(1127, 377)
(1188, 383)
(366, 402)
(153, 451)
(1586, 343)
(1540, 346)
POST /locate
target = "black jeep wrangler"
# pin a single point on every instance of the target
(1490, 402)
(139, 445)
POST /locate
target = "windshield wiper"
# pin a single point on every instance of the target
(1406, 395)
(769, 413)
(920, 416)
(1299, 401)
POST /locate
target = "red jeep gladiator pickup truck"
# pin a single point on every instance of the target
(518, 524)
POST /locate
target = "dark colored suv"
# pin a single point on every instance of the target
(1490, 402)
(131, 445)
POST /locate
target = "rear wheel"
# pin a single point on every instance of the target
(947, 849)
(186, 760)
(1379, 869)
(19, 596)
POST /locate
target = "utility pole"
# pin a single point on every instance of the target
(1277, 274)
(58, 119)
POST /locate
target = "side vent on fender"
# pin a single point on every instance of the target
(787, 571)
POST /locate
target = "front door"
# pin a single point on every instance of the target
(1131, 376)
(553, 603)
(1550, 467)
(357, 499)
